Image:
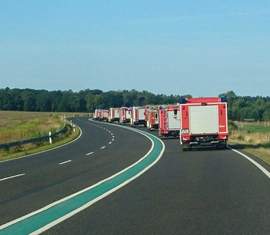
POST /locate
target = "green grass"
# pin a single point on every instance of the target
(258, 127)
(16, 126)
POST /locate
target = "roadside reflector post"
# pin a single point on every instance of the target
(50, 137)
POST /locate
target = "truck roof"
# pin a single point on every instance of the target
(204, 100)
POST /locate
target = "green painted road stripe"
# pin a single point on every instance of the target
(47, 218)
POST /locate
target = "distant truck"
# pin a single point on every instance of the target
(101, 115)
(169, 121)
(138, 116)
(114, 115)
(97, 114)
(125, 115)
(204, 122)
(152, 117)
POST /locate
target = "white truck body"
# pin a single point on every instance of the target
(204, 120)
(114, 114)
(173, 119)
(138, 115)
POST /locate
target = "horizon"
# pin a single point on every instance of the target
(203, 49)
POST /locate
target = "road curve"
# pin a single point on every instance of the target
(114, 149)
(198, 192)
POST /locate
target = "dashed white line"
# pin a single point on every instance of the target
(12, 177)
(103, 147)
(110, 142)
(91, 153)
(65, 162)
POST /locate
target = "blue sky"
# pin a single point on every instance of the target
(198, 47)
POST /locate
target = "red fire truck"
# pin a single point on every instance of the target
(101, 114)
(138, 116)
(204, 122)
(151, 117)
(114, 115)
(169, 121)
(97, 114)
(125, 115)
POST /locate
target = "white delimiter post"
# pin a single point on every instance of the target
(50, 137)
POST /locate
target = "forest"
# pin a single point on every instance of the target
(240, 107)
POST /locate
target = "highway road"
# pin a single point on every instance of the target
(197, 192)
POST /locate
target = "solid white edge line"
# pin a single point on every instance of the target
(12, 177)
(65, 162)
(260, 167)
(88, 188)
(45, 151)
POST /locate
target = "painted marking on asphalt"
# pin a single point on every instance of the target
(261, 168)
(45, 218)
(110, 142)
(91, 153)
(12, 177)
(65, 162)
(103, 147)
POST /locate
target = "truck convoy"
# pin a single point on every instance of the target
(138, 116)
(169, 121)
(197, 122)
(204, 122)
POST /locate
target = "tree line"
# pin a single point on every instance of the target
(247, 108)
(240, 108)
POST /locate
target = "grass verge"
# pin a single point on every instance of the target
(37, 148)
(252, 138)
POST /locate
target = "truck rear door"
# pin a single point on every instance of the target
(174, 119)
(203, 119)
(141, 114)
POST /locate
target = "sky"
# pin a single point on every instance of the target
(202, 48)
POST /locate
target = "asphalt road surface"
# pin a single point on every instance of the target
(197, 192)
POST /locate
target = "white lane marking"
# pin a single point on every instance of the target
(45, 151)
(103, 147)
(86, 189)
(260, 167)
(65, 162)
(91, 153)
(12, 177)
(110, 142)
